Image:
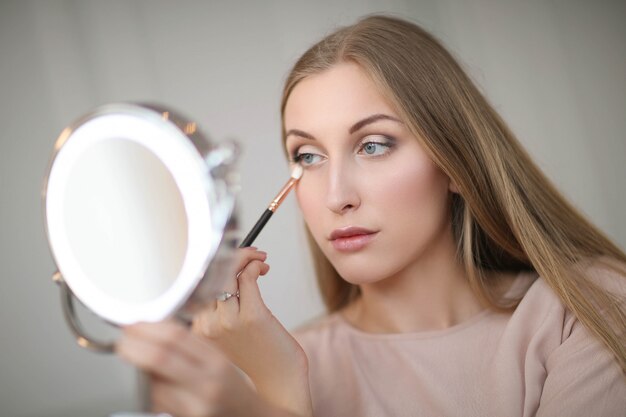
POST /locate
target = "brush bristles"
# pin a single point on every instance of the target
(297, 171)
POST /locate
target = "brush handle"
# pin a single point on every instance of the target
(256, 229)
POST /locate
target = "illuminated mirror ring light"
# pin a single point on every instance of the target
(134, 214)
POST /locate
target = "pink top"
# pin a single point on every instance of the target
(537, 361)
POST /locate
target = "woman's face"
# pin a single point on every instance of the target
(373, 200)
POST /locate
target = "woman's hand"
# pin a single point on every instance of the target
(253, 339)
(189, 376)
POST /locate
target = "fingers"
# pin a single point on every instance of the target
(250, 299)
(224, 316)
(157, 359)
(190, 377)
(170, 334)
(226, 394)
(243, 257)
(168, 397)
(250, 265)
(166, 349)
(246, 255)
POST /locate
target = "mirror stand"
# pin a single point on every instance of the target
(69, 313)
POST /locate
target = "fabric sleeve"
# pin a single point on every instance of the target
(583, 376)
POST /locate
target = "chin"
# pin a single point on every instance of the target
(363, 273)
(362, 267)
(360, 280)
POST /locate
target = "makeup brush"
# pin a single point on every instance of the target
(296, 173)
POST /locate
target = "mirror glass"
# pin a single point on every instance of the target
(125, 220)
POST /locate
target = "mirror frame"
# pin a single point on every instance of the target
(208, 184)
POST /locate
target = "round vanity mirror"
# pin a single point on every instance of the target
(139, 212)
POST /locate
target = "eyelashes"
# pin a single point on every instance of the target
(305, 159)
(372, 146)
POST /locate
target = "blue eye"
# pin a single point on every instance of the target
(306, 159)
(375, 148)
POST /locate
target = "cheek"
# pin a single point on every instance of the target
(412, 207)
(310, 199)
(414, 188)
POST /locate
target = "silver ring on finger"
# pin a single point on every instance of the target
(225, 295)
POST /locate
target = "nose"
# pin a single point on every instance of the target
(342, 192)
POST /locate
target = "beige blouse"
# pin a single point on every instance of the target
(537, 361)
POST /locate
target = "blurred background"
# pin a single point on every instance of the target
(554, 69)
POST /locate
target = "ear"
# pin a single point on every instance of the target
(453, 188)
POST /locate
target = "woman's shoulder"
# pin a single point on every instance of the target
(578, 368)
(543, 324)
(607, 274)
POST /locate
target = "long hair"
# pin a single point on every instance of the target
(507, 215)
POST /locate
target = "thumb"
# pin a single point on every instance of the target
(250, 300)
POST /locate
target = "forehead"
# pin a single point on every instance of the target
(339, 95)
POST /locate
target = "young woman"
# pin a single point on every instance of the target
(458, 280)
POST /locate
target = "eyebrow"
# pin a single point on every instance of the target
(358, 125)
(371, 119)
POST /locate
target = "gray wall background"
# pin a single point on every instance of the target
(556, 70)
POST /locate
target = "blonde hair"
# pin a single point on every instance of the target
(507, 215)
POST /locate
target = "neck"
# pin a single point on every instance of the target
(432, 293)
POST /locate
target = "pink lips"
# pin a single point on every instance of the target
(351, 239)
